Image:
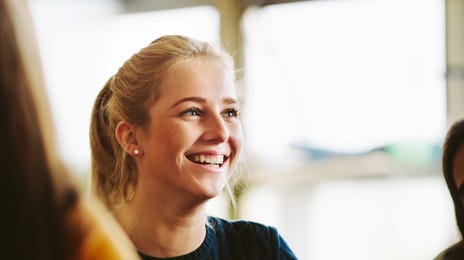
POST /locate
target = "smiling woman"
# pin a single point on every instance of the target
(166, 137)
(193, 138)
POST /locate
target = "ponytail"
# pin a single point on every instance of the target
(109, 178)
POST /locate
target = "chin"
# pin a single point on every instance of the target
(210, 192)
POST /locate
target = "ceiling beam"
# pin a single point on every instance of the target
(135, 6)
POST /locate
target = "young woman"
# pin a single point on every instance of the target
(165, 138)
(44, 215)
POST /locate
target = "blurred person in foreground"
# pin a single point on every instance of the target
(166, 137)
(44, 215)
(453, 171)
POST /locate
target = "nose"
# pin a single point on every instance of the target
(216, 129)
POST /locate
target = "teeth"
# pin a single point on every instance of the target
(206, 159)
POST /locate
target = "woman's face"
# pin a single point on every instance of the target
(458, 171)
(194, 137)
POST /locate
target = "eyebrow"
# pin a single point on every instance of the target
(227, 100)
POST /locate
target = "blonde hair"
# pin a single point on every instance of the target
(127, 96)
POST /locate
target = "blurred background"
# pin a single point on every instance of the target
(347, 103)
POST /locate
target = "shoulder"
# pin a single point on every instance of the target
(241, 226)
(102, 237)
(455, 251)
(253, 236)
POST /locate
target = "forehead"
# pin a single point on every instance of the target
(198, 75)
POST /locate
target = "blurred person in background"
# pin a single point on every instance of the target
(44, 215)
(166, 137)
(453, 171)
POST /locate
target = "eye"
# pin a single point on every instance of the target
(193, 111)
(231, 112)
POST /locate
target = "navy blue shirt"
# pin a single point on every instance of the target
(238, 240)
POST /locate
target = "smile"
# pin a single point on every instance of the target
(215, 160)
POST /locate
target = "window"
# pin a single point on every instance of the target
(347, 76)
(330, 78)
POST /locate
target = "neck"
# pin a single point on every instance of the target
(160, 226)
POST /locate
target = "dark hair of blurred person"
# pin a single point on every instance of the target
(453, 171)
(43, 214)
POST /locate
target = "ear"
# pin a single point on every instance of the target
(127, 138)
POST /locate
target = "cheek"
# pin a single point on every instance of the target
(177, 138)
(236, 136)
(458, 170)
(162, 144)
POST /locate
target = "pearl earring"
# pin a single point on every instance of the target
(136, 151)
